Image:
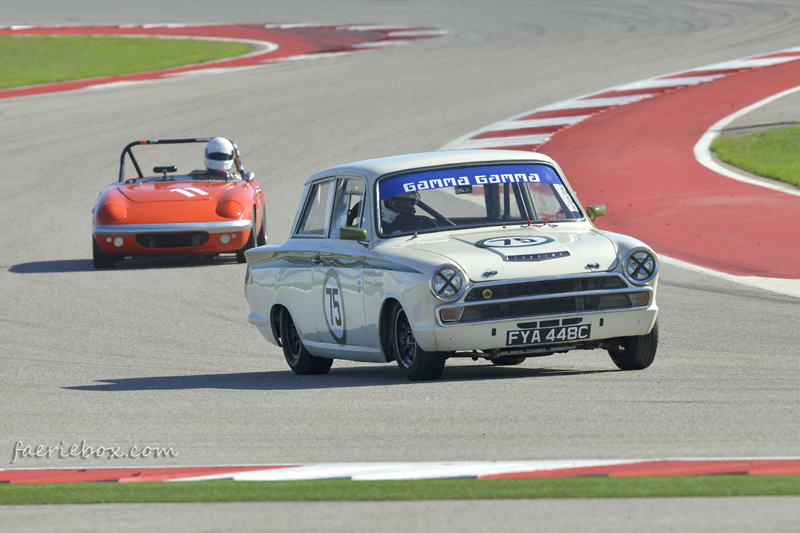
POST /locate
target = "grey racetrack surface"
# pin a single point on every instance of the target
(159, 353)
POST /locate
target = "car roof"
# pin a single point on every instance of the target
(372, 169)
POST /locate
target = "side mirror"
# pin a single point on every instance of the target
(353, 234)
(249, 176)
(594, 211)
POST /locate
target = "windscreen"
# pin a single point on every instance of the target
(447, 199)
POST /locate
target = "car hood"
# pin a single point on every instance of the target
(169, 191)
(522, 252)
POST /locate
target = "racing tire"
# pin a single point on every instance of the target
(508, 360)
(415, 363)
(636, 353)
(261, 239)
(251, 240)
(101, 259)
(300, 360)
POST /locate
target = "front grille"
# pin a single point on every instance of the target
(171, 240)
(552, 306)
(544, 287)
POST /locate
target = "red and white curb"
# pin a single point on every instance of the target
(529, 130)
(532, 129)
(415, 471)
(272, 43)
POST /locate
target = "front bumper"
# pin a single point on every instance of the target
(494, 335)
(183, 238)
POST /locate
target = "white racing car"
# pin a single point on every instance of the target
(419, 258)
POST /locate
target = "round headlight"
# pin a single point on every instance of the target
(447, 282)
(110, 213)
(641, 266)
(230, 209)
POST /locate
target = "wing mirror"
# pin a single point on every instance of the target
(249, 176)
(594, 211)
(353, 234)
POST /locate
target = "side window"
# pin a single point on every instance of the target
(314, 222)
(348, 207)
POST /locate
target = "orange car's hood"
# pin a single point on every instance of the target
(169, 191)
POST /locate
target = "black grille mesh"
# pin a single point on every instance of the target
(541, 288)
(172, 240)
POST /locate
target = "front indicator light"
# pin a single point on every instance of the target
(451, 314)
(638, 299)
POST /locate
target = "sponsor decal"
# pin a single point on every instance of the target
(333, 306)
(464, 177)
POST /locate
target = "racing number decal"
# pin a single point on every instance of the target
(513, 242)
(333, 306)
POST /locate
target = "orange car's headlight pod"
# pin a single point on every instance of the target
(230, 209)
(112, 213)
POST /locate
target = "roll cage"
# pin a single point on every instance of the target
(127, 151)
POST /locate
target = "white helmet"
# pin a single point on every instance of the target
(219, 154)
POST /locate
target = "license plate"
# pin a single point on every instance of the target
(548, 335)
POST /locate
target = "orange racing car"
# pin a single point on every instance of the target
(214, 210)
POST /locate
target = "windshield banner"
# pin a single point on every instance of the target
(458, 177)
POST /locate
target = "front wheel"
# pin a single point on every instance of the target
(635, 353)
(251, 241)
(300, 360)
(415, 363)
(261, 240)
(101, 259)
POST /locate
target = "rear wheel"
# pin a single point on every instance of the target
(635, 353)
(101, 259)
(416, 363)
(251, 241)
(300, 360)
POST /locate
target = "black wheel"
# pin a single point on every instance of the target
(636, 353)
(251, 241)
(508, 360)
(416, 363)
(299, 359)
(101, 259)
(261, 239)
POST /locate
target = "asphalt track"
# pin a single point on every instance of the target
(159, 352)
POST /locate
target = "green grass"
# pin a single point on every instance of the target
(439, 489)
(773, 154)
(31, 60)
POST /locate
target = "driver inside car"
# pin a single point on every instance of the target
(397, 213)
(219, 161)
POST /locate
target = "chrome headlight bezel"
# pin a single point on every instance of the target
(448, 282)
(640, 258)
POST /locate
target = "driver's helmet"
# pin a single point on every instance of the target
(401, 203)
(219, 154)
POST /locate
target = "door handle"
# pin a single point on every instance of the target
(316, 261)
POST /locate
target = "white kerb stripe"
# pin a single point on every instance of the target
(519, 140)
